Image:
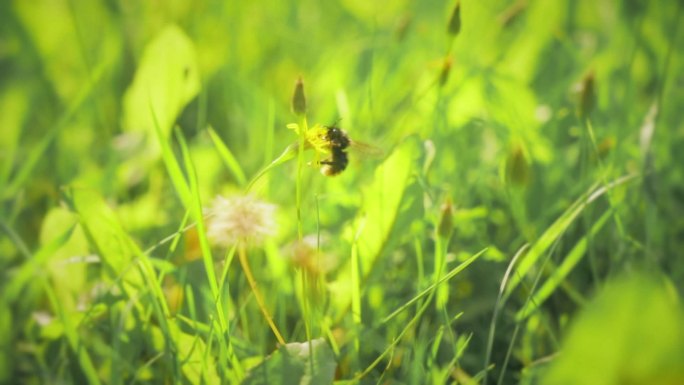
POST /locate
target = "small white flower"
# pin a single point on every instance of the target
(240, 218)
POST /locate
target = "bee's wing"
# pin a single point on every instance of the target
(366, 149)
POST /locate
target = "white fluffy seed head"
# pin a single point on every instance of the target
(240, 218)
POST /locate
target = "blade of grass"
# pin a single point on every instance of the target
(124, 259)
(289, 153)
(72, 337)
(28, 164)
(172, 166)
(28, 270)
(452, 273)
(16, 239)
(195, 208)
(557, 229)
(559, 273)
(228, 157)
(497, 308)
(517, 327)
(430, 292)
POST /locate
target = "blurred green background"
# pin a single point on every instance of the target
(556, 125)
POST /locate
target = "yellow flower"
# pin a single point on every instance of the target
(314, 137)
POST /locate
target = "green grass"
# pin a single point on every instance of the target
(522, 223)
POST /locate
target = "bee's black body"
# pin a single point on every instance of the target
(338, 161)
(337, 138)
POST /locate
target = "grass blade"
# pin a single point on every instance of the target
(228, 157)
(562, 271)
(557, 229)
(430, 288)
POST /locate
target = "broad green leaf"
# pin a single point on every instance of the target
(630, 334)
(68, 263)
(381, 203)
(192, 353)
(167, 79)
(523, 55)
(296, 364)
(123, 258)
(106, 234)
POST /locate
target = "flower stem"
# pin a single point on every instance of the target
(303, 126)
(242, 254)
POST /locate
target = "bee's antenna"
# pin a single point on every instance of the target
(335, 123)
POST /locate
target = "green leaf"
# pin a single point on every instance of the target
(305, 363)
(630, 334)
(167, 79)
(124, 260)
(381, 203)
(191, 354)
(106, 234)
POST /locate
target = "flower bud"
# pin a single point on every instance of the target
(444, 74)
(588, 96)
(455, 20)
(517, 169)
(446, 219)
(298, 98)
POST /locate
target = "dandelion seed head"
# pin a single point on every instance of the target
(305, 255)
(240, 218)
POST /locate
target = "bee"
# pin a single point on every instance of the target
(339, 142)
(337, 162)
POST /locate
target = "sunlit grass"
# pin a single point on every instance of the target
(521, 223)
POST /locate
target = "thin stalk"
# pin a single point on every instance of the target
(242, 254)
(303, 126)
(303, 129)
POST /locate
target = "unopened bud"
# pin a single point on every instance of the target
(446, 219)
(455, 20)
(588, 95)
(298, 98)
(605, 146)
(517, 169)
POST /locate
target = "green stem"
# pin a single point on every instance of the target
(303, 127)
